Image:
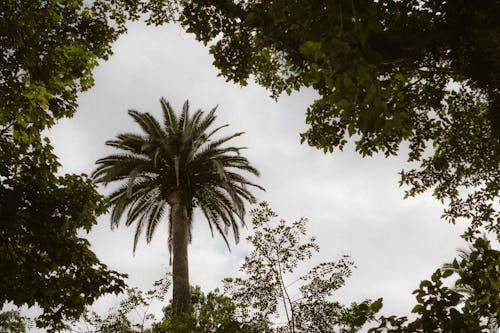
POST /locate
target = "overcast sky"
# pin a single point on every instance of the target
(355, 205)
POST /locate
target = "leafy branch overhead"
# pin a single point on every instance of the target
(13, 322)
(389, 74)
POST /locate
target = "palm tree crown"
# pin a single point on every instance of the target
(176, 166)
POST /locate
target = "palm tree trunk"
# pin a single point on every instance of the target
(181, 300)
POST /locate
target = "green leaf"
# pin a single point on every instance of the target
(447, 273)
(418, 308)
(377, 305)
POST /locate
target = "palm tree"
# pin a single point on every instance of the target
(176, 167)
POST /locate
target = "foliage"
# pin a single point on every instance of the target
(265, 291)
(389, 74)
(151, 11)
(255, 304)
(12, 322)
(470, 306)
(179, 157)
(212, 313)
(43, 260)
(49, 49)
(118, 320)
(178, 166)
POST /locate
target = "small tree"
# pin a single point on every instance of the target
(278, 249)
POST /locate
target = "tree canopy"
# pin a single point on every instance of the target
(49, 49)
(422, 75)
(43, 259)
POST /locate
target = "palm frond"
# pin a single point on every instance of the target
(154, 218)
(184, 117)
(206, 122)
(128, 142)
(209, 135)
(170, 118)
(148, 124)
(138, 231)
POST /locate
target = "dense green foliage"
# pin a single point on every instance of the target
(49, 49)
(13, 322)
(389, 74)
(470, 306)
(43, 260)
(177, 166)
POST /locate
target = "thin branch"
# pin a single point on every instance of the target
(436, 71)
(406, 87)
(291, 323)
(7, 128)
